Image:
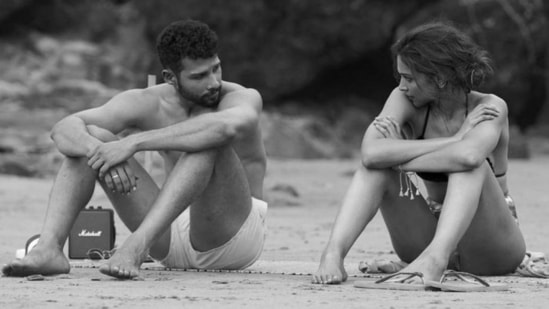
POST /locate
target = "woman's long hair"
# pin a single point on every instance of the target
(441, 51)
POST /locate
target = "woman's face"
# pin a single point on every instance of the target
(416, 86)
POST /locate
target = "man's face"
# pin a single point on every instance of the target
(200, 81)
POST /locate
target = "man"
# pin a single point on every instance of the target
(208, 212)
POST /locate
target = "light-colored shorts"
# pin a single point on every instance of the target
(241, 251)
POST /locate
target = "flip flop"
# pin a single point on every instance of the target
(99, 254)
(534, 264)
(391, 283)
(456, 281)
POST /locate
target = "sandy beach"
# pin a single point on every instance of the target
(299, 226)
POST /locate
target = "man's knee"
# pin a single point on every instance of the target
(101, 134)
(216, 155)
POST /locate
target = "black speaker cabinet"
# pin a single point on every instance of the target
(93, 229)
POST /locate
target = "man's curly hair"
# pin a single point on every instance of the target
(187, 38)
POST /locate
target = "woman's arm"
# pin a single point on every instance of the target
(383, 145)
(467, 153)
(380, 152)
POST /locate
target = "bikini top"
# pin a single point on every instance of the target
(438, 176)
(430, 176)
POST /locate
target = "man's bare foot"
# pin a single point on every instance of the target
(125, 263)
(331, 270)
(40, 261)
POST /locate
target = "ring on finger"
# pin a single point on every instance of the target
(115, 176)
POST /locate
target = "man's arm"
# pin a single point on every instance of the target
(239, 113)
(72, 138)
(71, 135)
(83, 132)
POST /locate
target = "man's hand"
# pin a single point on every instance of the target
(388, 127)
(121, 179)
(482, 112)
(107, 155)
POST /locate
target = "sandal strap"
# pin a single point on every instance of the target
(464, 277)
(409, 275)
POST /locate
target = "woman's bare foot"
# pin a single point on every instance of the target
(429, 265)
(125, 262)
(331, 270)
(40, 261)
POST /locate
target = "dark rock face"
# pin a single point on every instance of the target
(329, 58)
(516, 35)
(282, 46)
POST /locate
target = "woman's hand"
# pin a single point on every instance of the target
(388, 127)
(480, 113)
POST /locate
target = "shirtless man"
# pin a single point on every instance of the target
(208, 212)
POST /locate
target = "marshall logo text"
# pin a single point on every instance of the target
(86, 233)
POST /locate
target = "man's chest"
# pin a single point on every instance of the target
(162, 118)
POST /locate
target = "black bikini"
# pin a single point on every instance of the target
(430, 176)
(439, 176)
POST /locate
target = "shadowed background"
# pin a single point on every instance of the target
(323, 67)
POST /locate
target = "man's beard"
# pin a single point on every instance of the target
(210, 99)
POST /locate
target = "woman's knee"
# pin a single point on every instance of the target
(386, 179)
(482, 171)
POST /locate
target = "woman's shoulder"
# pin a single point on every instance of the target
(487, 98)
(398, 101)
(399, 107)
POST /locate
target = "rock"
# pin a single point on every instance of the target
(8, 7)
(25, 141)
(83, 87)
(505, 29)
(518, 144)
(10, 91)
(16, 168)
(285, 188)
(281, 46)
(284, 138)
(351, 125)
(282, 195)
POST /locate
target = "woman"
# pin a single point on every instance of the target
(456, 140)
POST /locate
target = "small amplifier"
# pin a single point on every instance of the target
(93, 229)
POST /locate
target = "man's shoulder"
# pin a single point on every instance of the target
(231, 88)
(141, 98)
(228, 87)
(149, 94)
(237, 95)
